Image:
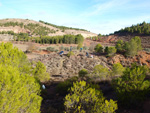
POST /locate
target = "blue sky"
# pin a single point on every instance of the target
(98, 16)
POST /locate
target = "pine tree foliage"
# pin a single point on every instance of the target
(85, 99)
(117, 70)
(132, 86)
(19, 90)
(130, 48)
(98, 48)
(139, 29)
(101, 72)
(120, 45)
(40, 73)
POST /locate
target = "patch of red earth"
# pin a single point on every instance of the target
(142, 58)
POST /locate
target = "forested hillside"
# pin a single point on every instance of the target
(139, 29)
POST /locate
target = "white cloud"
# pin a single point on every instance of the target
(0, 4)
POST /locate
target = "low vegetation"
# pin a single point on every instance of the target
(132, 87)
(130, 48)
(83, 98)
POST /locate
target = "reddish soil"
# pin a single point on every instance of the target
(142, 58)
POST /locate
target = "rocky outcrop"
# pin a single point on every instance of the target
(63, 67)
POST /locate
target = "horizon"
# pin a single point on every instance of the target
(97, 16)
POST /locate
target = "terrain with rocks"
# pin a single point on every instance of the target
(63, 67)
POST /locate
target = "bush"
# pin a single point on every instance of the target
(138, 41)
(70, 54)
(106, 49)
(100, 71)
(132, 87)
(84, 99)
(117, 69)
(98, 48)
(131, 48)
(120, 46)
(83, 73)
(80, 45)
(111, 51)
(52, 49)
(40, 72)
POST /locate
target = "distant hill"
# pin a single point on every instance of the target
(142, 29)
(34, 28)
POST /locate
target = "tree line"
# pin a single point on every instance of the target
(66, 39)
(140, 29)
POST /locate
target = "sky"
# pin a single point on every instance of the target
(97, 16)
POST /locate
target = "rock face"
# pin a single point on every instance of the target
(63, 67)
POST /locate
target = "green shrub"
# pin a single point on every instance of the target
(83, 73)
(131, 48)
(52, 49)
(70, 54)
(84, 99)
(106, 49)
(98, 48)
(117, 69)
(120, 46)
(132, 87)
(40, 72)
(80, 45)
(138, 41)
(101, 72)
(111, 51)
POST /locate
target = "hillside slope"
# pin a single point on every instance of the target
(35, 28)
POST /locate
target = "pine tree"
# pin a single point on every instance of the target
(85, 99)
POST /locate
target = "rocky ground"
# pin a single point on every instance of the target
(63, 67)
